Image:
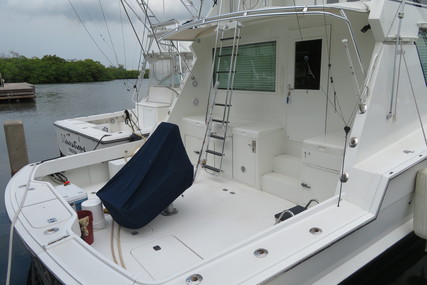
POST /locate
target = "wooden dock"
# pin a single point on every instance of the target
(17, 91)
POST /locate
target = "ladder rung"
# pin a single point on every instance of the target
(217, 137)
(220, 121)
(223, 105)
(230, 38)
(212, 168)
(214, 152)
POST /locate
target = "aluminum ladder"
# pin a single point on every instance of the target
(218, 111)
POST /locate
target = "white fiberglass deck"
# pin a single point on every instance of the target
(214, 214)
(215, 231)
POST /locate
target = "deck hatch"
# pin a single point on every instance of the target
(46, 213)
(164, 257)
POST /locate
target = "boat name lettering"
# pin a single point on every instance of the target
(74, 145)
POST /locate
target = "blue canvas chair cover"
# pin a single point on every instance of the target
(155, 176)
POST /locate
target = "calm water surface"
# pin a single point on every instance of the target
(54, 102)
(61, 101)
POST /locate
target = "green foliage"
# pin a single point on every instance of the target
(146, 73)
(53, 69)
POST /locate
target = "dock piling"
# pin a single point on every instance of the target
(16, 145)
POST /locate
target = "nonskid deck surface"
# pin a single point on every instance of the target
(213, 215)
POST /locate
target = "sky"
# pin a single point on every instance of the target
(101, 31)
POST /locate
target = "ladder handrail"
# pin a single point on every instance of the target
(207, 132)
(230, 85)
(212, 72)
(212, 97)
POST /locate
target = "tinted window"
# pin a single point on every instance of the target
(307, 64)
(255, 67)
(422, 50)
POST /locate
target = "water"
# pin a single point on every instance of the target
(60, 101)
(54, 102)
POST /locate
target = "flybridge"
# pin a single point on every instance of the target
(190, 31)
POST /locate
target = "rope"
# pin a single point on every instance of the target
(338, 112)
(329, 66)
(200, 9)
(108, 31)
(128, 120)
(326, 32)
(353, 113)
(84, 26)
(123, 35)
(131, 123)
(60, 178)
(296, 15)
(133, 27)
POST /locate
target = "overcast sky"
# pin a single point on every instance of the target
(34, 28)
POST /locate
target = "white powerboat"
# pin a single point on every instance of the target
(304, 123)
(168, 62)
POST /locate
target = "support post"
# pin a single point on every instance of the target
(16, 145)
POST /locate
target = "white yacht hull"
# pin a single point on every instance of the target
(326, 104)
(83, 134)
(347, 239)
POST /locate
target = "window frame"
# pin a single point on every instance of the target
(272, 88)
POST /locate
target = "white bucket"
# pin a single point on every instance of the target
(95, 206)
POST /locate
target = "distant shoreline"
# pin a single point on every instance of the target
(53, 69)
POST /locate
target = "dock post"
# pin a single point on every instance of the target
(16, 145)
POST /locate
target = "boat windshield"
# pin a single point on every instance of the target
(168, 71)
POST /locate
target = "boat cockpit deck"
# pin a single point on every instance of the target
(218, 212)
(217, 218)
(213, 216)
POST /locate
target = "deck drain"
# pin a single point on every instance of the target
(194, 279)
(51, 231)
(316, 231)
(261, 252)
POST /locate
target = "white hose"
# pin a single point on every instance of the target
(112, 243)
(119, 248)
(12, 226)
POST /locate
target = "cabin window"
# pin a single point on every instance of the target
(308, 56)
(255, 67)
(422, 50)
